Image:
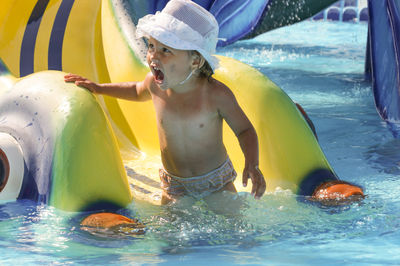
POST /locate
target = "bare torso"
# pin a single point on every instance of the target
(190, 130)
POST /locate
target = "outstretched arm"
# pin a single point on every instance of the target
(247, 136)
(134, 91)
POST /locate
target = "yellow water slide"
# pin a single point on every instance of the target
(96, 39)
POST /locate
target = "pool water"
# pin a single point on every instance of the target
(320, 65)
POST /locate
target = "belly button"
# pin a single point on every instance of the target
(201, 125)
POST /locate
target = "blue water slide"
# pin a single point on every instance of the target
(240, 19)
(237, 18)
(384, 57)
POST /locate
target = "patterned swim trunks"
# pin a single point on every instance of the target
(198, 186)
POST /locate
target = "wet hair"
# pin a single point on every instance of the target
(205, 70)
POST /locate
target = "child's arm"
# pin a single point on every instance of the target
(249, 144)
(134, 91)
(247, 136)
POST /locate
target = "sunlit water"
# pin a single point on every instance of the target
(320, 65)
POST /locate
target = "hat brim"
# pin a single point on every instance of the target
(151, 26)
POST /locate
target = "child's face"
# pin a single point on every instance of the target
(169, 66)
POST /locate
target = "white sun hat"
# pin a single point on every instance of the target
(183, 25)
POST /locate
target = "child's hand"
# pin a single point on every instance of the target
(257, 179)
(83, 82)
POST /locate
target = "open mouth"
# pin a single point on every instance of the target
(158, 74)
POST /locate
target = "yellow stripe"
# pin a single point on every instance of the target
(5, 9)
(81, 40)
(118, 66)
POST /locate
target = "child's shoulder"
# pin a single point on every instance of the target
(219, 89)
(221, 93)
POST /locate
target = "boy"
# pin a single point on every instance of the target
(190, 105)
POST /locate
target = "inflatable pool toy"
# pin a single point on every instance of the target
(57, 148)
(70, 141)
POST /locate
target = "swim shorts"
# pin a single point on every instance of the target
(198, 186)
